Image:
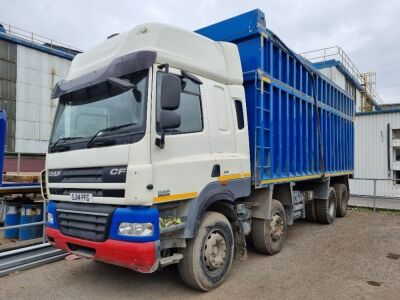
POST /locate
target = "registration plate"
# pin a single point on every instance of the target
(81, 197)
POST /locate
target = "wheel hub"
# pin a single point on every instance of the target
(214, 251)
(277, 227)
(332, 211)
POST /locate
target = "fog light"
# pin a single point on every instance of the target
(135, 229)
(50, 218)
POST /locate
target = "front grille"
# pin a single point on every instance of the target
(115, 174)
(94, 192)
(85, 221)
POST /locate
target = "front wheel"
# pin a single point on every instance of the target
(207, 258)
(268, 235)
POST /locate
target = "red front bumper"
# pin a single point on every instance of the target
(140, 257)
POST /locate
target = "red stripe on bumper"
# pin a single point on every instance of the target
(136, 256)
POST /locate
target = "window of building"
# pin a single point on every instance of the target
(396, 134)
(239, 113)
(189, 109)
(396, 154)
(396, 177)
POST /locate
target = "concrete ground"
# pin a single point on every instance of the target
(358, 257)
(385, 203)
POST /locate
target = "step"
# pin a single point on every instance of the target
(173, 259)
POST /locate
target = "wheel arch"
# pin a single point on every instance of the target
(214, 197)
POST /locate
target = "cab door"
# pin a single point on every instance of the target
(183, 167)
(223, 134)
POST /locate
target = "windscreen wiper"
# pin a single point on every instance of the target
(90, 143)
(63, 139)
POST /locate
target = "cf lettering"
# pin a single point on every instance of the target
(117, 171)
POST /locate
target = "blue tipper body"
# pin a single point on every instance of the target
(284, 140)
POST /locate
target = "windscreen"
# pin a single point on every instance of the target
(82, 114)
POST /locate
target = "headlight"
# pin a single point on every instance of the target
(50, 218)
(135, 229)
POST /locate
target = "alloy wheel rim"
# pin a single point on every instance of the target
(277, 227)
(215, 249)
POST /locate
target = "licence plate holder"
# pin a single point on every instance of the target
(81, 197)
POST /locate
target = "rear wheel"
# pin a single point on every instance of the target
(342, 195)
(268, 235)
(311, 211)
(326, 208)
(207, 258)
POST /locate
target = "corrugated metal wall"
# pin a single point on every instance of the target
(371, 154)
(8, 78)
(37, 73)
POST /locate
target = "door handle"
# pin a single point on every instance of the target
(216, 171)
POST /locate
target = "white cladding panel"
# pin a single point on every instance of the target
(338, 78)
(335, 75)
(37, 73)
(371, 154)
(358, 100)
(180, 48)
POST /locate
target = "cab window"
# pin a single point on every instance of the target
(189, 109)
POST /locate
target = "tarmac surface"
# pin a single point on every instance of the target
(357, 257)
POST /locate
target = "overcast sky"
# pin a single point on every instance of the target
(369, 31)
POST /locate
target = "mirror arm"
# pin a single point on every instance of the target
(191, 77)
(160, 141)
(164, 66)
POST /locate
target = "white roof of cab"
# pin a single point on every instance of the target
(180, 48)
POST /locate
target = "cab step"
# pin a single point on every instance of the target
(173, 259)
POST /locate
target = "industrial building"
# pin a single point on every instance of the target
(377, 148)
(377, 125)
(335, 64)
(30, 65)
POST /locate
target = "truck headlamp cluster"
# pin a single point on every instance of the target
(135, 229)
(50, 218)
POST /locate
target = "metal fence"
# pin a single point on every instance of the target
(42, 223)
(384, 193)
(37, 39)
(38, 252)
(366, 80)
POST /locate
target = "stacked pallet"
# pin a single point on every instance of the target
(28, 177)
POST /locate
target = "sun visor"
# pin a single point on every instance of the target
(126, 64)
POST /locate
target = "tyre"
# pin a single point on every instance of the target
(311, 211)
(326, 208)
(268, 235)
(342, 196)
(207, 258)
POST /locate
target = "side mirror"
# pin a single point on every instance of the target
(170, 99)
(170, 92)
(168, 120)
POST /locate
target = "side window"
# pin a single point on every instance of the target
(396, 134)
(189, 109)
(239, 114)
(396, 176)
(397, 154)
